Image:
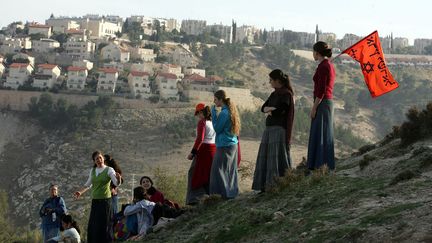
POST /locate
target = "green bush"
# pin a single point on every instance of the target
(418, 125)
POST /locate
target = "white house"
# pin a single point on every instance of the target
(62, 25)
(2, 69)
(23, 57)
(19, 73)
(174, 69)
(139, 83)
(40, 29)
(107, 80)
(190, 71)
(79, 49)
(115, 53)
(199, 83)
(99, 27)
(147, 55)
(45, 45)
(166, 84)
(193, 27)
(77, 77)
(14, 45)
(46, 76)
(83, 63)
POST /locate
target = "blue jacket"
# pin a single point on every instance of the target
(222, 127)
(56, 203)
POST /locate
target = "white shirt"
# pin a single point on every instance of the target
(111, 174)
(70, 234)
(210, 134)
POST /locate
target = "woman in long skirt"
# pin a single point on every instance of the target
(274, 152)
(201, 155)
(101, 214)
(321, 145)
(226, 123)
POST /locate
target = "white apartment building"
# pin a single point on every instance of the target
(190, 71)
(79, 49)
(19, 73)
(139, 83)
(62, 25)
(246, 33)
(77, 34)
(83, 63)
(45, 45)
(46, 76)
(166, 84)
(115, 53)
(107, 80)
(15, 45)
(100, 27)
(147, 55)
(224, 31)
(420, 44)
(77, 77)
(193, 27)
(174, 69)
(40, 29)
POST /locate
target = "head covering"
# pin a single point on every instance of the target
(199, 107)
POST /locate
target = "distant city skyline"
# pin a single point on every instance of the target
(336, 16)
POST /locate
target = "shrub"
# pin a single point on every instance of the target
(403, 176)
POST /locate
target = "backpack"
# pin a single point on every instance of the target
(121, 232)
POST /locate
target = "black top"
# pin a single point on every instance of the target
(281, 101)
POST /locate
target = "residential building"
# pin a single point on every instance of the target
(2, 68)
(183, 57)
(199, 83)
(114, 65)
(420, 44)
(19, 73)
(99, 27)
(193, 27)
(400, 42)
(115, 53)
(190, 71)
(35, 28)
(171, 24)
(15, 45)
(146, 55)
(224, 32)
(83, 63)
(306, 39)
(166, 86)
(77, 77)
(77, 34)
(107, 80)
(45, 45)
(62, 24)
(348, 40)
(174, 69)
(246, 34)
(274, 37)
(46, 76)
(23, 58)
(79, 49)
(139, 83)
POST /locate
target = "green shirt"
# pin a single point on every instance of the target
(101, 184)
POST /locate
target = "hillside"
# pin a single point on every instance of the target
(382, 195)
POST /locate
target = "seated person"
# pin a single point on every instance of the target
(154, 195)
(71, 233)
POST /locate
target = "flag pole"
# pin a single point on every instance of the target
(354, 44)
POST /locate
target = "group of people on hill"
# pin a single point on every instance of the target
(215, 159)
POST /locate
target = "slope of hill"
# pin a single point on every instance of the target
(382, 195)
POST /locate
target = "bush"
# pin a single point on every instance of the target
(173, 186)
(418, 125)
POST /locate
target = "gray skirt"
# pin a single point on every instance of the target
(273, 158)
(223, 174)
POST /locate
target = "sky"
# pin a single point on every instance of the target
(361, 17)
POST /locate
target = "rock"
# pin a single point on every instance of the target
(278, 215)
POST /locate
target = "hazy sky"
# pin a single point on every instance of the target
(409, 19)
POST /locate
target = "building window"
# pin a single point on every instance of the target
(136, 85)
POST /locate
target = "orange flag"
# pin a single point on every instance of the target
(369, 54)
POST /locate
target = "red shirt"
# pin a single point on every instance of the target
(157, 197)
(324, 80)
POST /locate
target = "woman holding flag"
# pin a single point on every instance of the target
(321, 145)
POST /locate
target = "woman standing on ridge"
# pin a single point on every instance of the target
(109, 161)
(51, 213)
(101, 214)
(274, 152)
(224, 175)
(202, 155)
(321, 145)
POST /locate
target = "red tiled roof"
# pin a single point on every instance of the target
(139, 74)
(108, 70)
(195, 77)
(18, 65)
(215, 78)
(72, 68)
(39, 26)
(47, 66)
(167, 75)
(74, 31)
(172, 65)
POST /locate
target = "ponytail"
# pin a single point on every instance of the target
(283, 78)
(234, 114)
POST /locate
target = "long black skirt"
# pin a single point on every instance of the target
(100, 222)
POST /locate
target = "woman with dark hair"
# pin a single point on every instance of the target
(51, 213)
(101, 214)
(109, 161)
(201, 155)
(153, 194)
(273, 157)
(71, 231)
(226, 123)
(321, 145)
